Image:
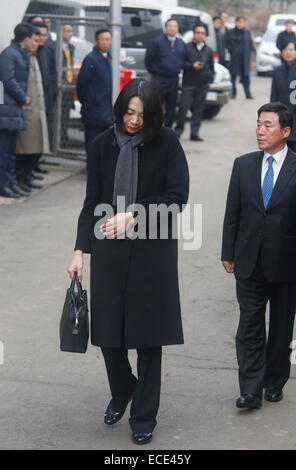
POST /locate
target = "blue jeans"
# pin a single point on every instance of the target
(8, 141)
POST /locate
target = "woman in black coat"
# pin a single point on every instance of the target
(134, 278)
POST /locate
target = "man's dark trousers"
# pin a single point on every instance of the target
(145, 391)
(168, 90)
(8, 141)
(260, 364)
(193, 97)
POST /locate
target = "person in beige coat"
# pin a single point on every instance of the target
(33, 141)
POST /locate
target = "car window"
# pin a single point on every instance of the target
(282, 21)
(186, 22)
(139, 25)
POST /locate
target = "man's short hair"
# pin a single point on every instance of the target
(283, 112)
(199, 24)
(32, 18)
(41, 25)
(286, 43)
(238, 18)
(289, 22)
(169, 20)
(216, 18)
(23, 31)
(101, 31)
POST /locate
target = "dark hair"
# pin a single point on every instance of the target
(238, 18)
(153, 112)
(23, 31)
(198, 25)
(286, 43)
(289, 22)
(169, 20)
(216, 18)
(40, 25)
(101, 31)
(283, 112)
(32, 18)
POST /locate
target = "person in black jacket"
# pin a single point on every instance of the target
(220, 39)
(240, 46)
(286, 36)
(94, 89)
(14, 73)
(135, 300)
(259, 247)
(198, 74)
(280, 87)
(164, 61)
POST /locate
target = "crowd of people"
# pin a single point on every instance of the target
(28, 71)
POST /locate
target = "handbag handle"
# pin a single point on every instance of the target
(75, 281)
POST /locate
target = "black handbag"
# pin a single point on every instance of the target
(74, 324)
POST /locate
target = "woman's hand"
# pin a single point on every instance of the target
(76, 265)
(118, 225)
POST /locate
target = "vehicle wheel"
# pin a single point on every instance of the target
(211, 111)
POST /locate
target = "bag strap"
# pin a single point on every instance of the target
(77, 283)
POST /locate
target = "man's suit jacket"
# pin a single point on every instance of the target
(281, 91)
(248, 226)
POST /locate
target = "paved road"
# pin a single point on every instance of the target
(53, 400)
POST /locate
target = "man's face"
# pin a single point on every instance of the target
(289, 53)
(199, 34)
(68, 33)
(270, 136)
(43, 36)
(217, 23)
(47, 21)
(172, 28)
(289, 27)
(240, 24)
(31, 44)
(103, 41)
(224, 17)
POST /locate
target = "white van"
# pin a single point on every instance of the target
(277, 22)
(220, 90)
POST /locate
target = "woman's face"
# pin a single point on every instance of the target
(133, 119)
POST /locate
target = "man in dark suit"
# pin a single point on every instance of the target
(285, 36)
(259, 247)
(68, 79)
(198, 74)
(164, 61)
(94, 89)
(280, 88)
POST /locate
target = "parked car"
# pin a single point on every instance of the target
(268, 56)
(220, 90)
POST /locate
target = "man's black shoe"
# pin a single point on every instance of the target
(8, 192)
(37, 177)
(142, 437)
(24, 187)
(18, 190)
(41, 170)
(272, 394)
(196, 138)
(250, 97)
(249, 401)
(112, 417)
(33, 185)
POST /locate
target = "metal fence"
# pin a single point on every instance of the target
(66, 132)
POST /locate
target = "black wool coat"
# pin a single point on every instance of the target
(134, 283)
(240, 53)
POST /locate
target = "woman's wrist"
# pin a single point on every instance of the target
(78, 253)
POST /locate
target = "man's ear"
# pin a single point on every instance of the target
(286, 132)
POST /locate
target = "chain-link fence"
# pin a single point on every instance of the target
(72, 26)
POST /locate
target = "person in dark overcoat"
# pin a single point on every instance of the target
(280, 87)
(135, 300)
(94, 89)
(240, 45)
(286, 36)
(14, 73)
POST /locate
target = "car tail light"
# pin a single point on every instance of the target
(216, 56)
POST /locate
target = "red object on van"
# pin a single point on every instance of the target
(126, 75)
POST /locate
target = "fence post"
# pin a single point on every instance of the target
(115, 23)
